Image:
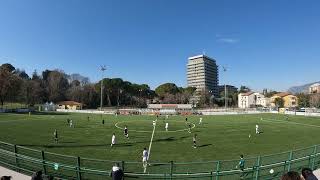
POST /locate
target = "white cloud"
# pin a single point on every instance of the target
(228, 40)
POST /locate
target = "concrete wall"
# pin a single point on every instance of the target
(88, 111)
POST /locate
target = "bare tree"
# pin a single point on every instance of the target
(315, 100)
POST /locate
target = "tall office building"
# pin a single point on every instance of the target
(202, 73)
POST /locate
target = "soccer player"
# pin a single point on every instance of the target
(125, 131)
(70, 123)
(287, 117)
(200, 121)
(103, 121)
(186, 119)
(195, 141)
(241, 165)
(154, 123)
(257, 129)
(167, 126)
(145, 157)
(88, 118)
(55, 135)
(113, 139)
(189, 129)
(167, 116)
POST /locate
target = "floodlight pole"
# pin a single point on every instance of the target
(103, 68)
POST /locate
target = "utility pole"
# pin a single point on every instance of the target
(102, 69)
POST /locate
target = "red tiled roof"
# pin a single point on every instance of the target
(72, 103)
(247, 93)
(282, 94)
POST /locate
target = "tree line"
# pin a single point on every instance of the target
(55, 85)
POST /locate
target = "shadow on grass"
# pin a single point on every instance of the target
(39, 113)
(50, 113)
(205, 145)
(165, 139)
(71, 145)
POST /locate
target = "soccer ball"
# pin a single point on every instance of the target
(271, 171)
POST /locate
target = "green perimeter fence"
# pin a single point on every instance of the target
(27, 160)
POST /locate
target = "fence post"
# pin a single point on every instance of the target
(78, 169)
(16, 157)
(289, 161)
(122, 164)
(314, 156)
(258, 167)
(217, 170)
(171, 169)
(43, 163)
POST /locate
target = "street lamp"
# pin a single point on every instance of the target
(102, 69)
(225, 90)
(211, 98)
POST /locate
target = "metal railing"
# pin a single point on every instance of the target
(27, 160)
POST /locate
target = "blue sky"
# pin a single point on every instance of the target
(266, 44)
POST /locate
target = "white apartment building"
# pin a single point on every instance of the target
(314, 89)
(251, 99)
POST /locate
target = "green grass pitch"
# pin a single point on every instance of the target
(219, 137)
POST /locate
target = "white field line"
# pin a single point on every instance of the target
(180, 130)
(150, 145)
(289, 122)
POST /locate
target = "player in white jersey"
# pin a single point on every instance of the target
(167, 116)
(257, 129)
(167, 126)
(113, 139)
(200, 120)
(154, 123)
(70, 123)
(145, 157)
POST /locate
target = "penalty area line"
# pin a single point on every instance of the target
(289, 122)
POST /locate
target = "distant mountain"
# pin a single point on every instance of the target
(301, 89)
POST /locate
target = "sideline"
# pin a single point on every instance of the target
(149, 150)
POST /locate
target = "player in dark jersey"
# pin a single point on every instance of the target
(195, 141)
(55, 136)
(125, 131)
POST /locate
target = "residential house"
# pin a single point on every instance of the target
(314, 89)
(288, 99)
(72, 105)
(252, 99)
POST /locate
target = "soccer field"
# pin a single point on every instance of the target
(218, 137)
